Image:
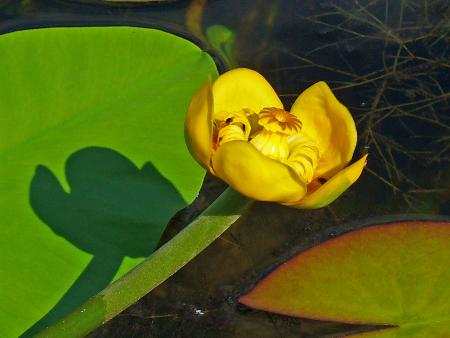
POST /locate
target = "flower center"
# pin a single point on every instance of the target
(277, 125)
(278, 120)
(275, 132)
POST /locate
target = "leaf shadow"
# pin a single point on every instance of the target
(113, 210)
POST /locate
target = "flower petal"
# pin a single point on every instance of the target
(333, 188)
(242, 88)
(329, 123)
(257, 176)
(198, 125)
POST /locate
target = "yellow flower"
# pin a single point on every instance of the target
(238, 129)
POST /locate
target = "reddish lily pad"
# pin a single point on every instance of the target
(394, 274)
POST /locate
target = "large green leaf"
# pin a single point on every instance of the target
(92, 160)
(393, 274)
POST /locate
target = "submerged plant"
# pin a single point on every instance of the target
(399, 94)
(239, 131)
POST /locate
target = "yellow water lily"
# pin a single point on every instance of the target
(237, 129)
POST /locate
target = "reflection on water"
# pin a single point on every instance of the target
(388, 61)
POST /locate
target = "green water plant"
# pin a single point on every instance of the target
(221, 38)
(92, 160)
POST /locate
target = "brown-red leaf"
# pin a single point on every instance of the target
(393, 274)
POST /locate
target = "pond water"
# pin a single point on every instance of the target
(388, 61)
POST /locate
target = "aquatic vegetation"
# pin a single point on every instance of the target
(221, 39)
(218, 38)
(295, 44)
(385, 60)
(392, 275)
(239, 131)
(87, 187)
(221, 214)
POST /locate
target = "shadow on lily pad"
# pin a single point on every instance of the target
(113, 210)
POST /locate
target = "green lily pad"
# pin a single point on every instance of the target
(92, 160)
(391, 274)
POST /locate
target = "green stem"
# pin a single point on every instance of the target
(162, 264)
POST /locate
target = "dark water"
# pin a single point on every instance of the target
(388, 61)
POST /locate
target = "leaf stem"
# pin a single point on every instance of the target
(162, 264)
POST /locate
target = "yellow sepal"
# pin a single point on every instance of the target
(256, 176)
(329, 123)
(198, 125)
(243, 88)
(333, 188)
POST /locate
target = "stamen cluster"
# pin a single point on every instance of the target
(275, 132)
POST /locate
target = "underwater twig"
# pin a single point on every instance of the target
(389, 184)
(407, 42)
